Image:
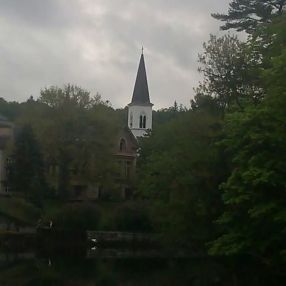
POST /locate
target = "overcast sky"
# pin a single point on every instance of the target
(96, 44)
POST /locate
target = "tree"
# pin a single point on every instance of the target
(9, 109)
(247, 15)
(164, 115)
(78, 137)
(28, 174)
(76, 132)
(254, 218)
(179, 171)
(254, 195)
(70, 95)
(206, 103)
(230, 73)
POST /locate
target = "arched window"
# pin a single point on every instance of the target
(131, 120)
(142, 122)
(122, 145)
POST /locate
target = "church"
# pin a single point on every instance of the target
(139, 124)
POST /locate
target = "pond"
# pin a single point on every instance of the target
(121, 267)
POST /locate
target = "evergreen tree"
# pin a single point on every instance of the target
(27, 174)
(247, 15)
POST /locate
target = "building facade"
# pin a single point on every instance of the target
(6, 138)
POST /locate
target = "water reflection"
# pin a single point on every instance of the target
(122, 267)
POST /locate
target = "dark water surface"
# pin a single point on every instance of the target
(121, 267)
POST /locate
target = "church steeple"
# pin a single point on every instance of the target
(140, 108)
(141, 91)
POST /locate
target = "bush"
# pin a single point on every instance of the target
(19, 209)
(76, 216)
(131, 218)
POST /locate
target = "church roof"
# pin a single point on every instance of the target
(141, 91)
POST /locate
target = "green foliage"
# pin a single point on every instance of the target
(9, 109)
(77, 133)
(230, 73)
(69, 96)
(110, 216)
(247, 15)
(132, 218)
(274, 73)
(27, 170)
(254, 194)
(254, 219)
(76, 216)
(179, 171)
(164, 115)
(19, 210)
(206, 103)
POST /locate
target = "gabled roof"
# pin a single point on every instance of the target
(131, 143)
(141, 91)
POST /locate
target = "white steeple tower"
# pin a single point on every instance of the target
(140, 108)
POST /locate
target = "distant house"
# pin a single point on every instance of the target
(6, 138)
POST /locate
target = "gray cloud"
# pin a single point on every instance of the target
(96, 44)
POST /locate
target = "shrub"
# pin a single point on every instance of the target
(131, 218)
(76, 216)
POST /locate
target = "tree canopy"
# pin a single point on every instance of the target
(230, 73)
(247, 15)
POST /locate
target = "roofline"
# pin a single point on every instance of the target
(140, 104)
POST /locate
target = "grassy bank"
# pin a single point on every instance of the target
(132, 216)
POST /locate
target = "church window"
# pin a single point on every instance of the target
(131, 120)
(122, 145)
(142, 122)
(127, 169)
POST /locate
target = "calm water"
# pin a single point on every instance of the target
(113, 267)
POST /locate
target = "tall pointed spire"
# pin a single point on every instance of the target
(140, 108)
(141, 91)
